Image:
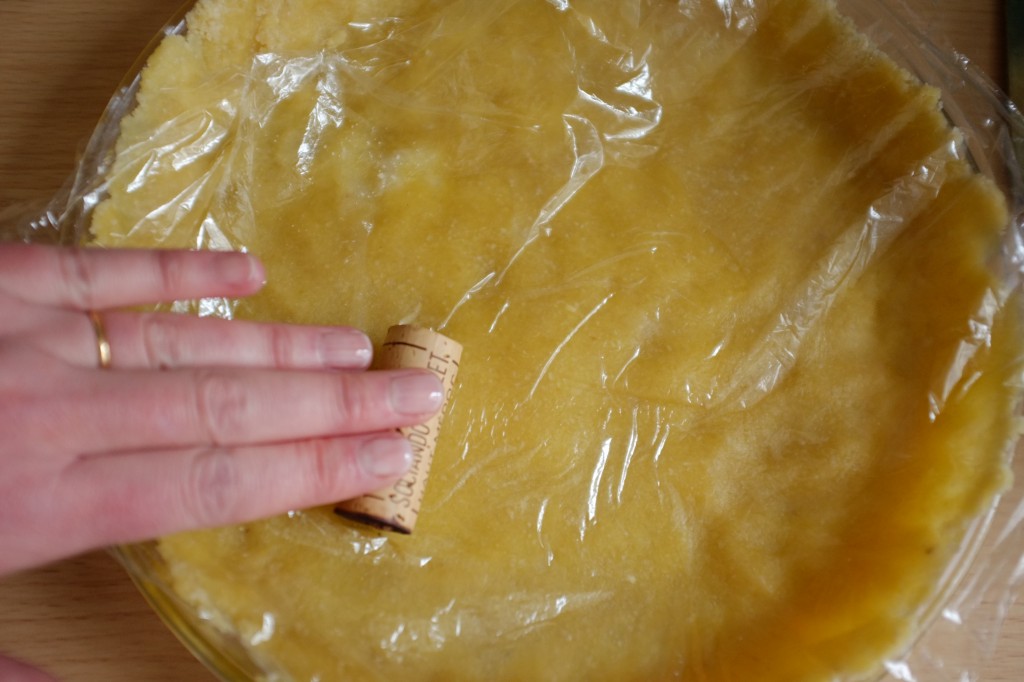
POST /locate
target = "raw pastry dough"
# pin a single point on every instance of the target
(736, 368)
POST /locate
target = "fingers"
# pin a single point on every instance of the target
(126, 411)
(161, 341)
(131, 497)
(166, 340)
(44, 290)
(120, 498)
(97, 279)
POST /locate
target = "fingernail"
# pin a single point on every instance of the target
(386, 457)
(241, 269)
(345, 348)
(414, 394)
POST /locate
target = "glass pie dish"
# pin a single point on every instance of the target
(992, 543)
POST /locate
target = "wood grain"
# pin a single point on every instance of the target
(82, 619)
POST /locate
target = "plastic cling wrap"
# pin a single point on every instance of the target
(740, 312)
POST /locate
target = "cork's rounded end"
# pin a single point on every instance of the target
(373, 521)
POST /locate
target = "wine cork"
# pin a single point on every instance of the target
(397, 508)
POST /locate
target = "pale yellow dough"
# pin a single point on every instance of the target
(736, 370)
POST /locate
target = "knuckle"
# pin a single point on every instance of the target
(323, 468)
(352, 403)
(211, 494)
(223, 406)
(282, 346)
(169, 271)
(77, 277)
(162, 345)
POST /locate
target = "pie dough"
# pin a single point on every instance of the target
(737, 366)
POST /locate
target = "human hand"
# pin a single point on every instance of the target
(196, 423)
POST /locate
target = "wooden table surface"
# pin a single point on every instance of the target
(60, 60)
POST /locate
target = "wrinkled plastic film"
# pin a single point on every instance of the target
(614, 210)
(979, 595)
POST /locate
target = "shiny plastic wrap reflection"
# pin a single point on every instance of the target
(741, 322)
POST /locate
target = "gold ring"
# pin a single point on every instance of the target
(102, 344)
